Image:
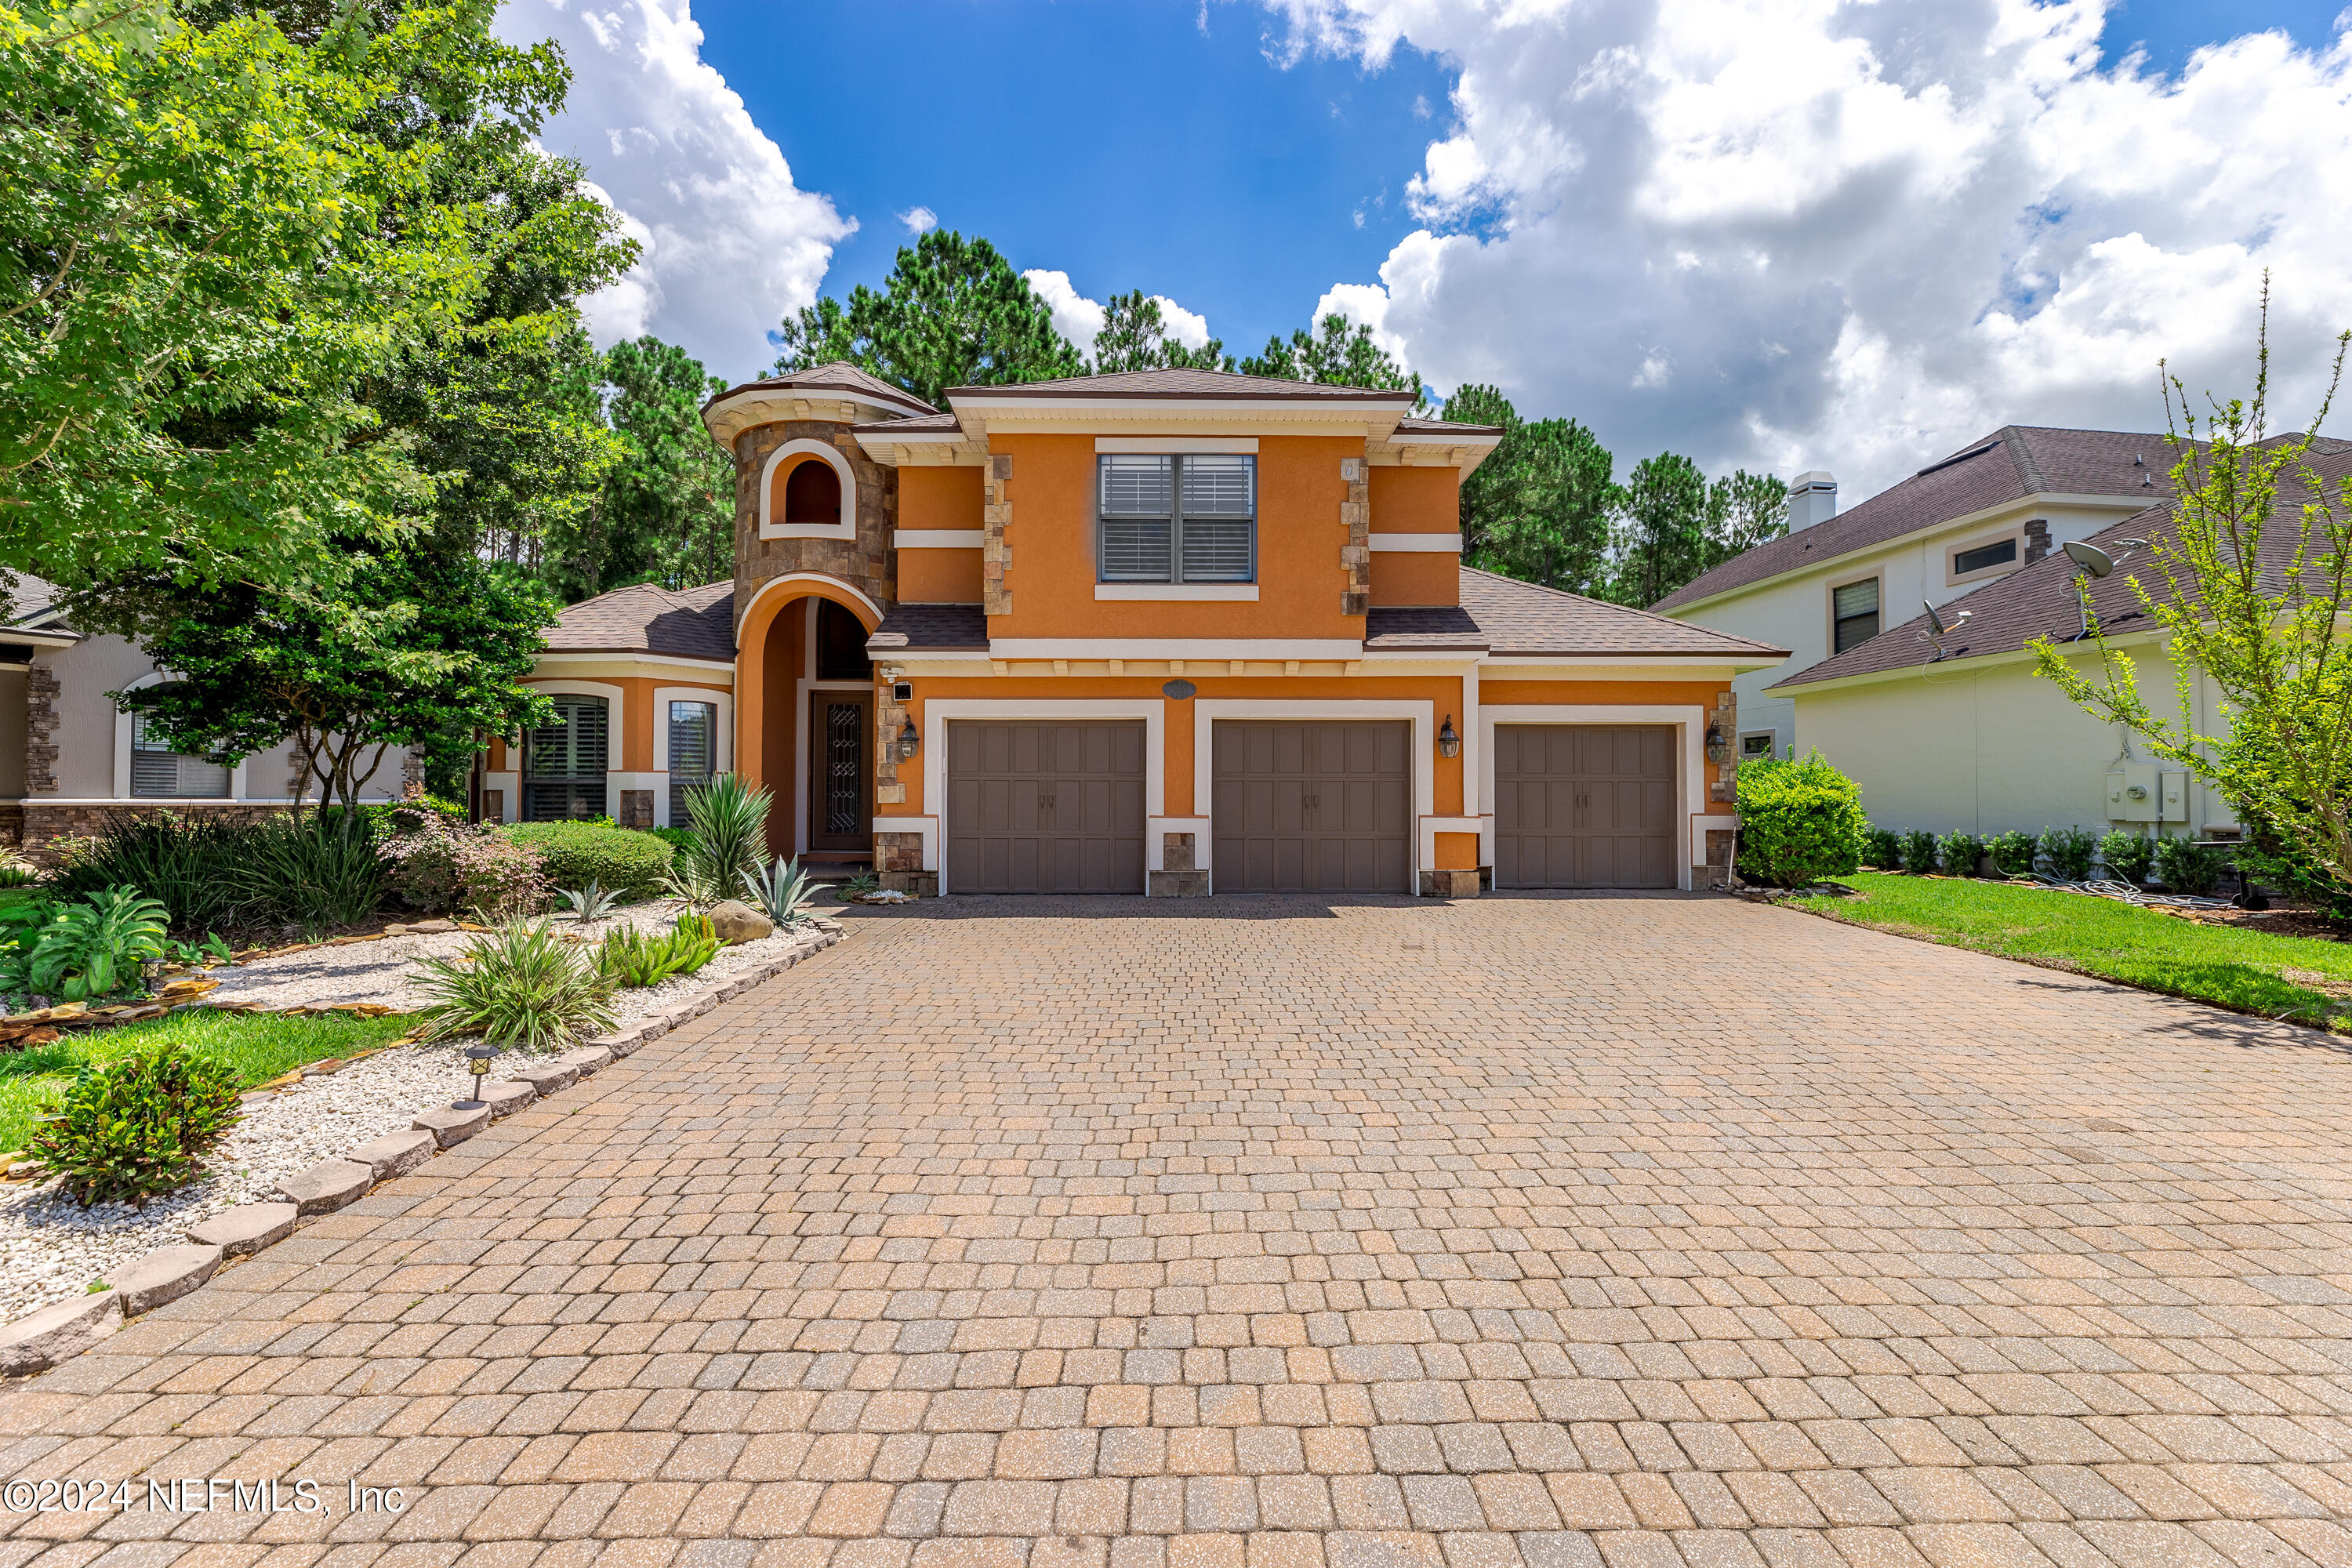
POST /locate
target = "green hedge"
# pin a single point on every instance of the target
(1799, 822)
(575, 854)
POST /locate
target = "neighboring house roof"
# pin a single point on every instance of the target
(1508, 617)
(1166, 383)
(2013, 463)
(837, 378)
(2040, 600)
(961, 626)
(687, 622)
(35, 615)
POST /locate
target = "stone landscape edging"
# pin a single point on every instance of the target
(42, 1339)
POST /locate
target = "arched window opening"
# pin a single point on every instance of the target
(158, 772)
(812, 494)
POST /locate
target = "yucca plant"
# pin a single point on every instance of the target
(730, 837)
(633, 958)
(782, 892)
(521, 985)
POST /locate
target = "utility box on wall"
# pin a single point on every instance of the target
(2141, 792)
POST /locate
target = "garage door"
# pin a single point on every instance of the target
(1311, 807)
(1045, 808)
(1584, 805)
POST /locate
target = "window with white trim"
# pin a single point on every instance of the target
(1984, 557)
(1188, 519)
(159, 772)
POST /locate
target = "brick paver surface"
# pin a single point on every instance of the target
(1266, 1235)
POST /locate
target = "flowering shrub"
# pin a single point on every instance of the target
(447, 866)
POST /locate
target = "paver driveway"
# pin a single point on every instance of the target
(1566, 1231)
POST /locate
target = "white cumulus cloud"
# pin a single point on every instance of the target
(919, 220)
(1806, 233)
(1078, 318)
(730, 244)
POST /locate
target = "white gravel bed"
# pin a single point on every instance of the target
(52, 1247)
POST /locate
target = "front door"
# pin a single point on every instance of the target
(841, 794)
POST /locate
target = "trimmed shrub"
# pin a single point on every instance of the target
(445, 867)
(1799, 822)
(575, 854)
(137, 1126)
(1918, 851)
(2013, 853)
(2295, 873)
(2067, 851)
(2185, 866)
(677, 838)
(1882, 847)
(2126, 856)
(520, 986)
(1960, 852)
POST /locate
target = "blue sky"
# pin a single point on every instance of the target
(1779, 234)
(1143, 143)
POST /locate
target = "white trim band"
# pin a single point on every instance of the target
(1232, 593)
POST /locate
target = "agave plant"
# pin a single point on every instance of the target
(520, 985)
(783, 891)
(630, 957)
(729, 819)
(593, 902)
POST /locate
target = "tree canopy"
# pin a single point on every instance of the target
(1134, 337)
(1538, 507)
(1338, 352)
(952, 313)
(221, 236)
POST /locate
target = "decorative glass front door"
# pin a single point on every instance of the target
(841, 794)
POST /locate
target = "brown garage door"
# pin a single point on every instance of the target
(1316, 807)
(1045, 808)
(1584, 805)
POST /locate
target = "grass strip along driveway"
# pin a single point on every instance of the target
(2242, 968)
(260, 1048)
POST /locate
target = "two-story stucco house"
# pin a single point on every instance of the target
(1171, 632)
(1996, 506)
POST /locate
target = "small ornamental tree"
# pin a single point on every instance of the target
(2246, 583)
(407, 648)
(1800, 821)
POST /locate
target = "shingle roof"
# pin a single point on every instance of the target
(2012, 463)
(692, 623)
(836, 377)
(930, 626)
(1181, 384)
(2040, 600)
(1414, 424)
(920, 424)
(1509, 616)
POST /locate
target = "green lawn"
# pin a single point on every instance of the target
(258, 1048)
(2237, 967)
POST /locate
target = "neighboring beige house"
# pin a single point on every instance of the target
(70, 758)
(1954, 731)
(1993, 508)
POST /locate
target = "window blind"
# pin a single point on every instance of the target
(1178, 520)
(1137, 486)
(155, 770)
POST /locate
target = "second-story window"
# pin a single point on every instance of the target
(1189, 518)
(1854, 611)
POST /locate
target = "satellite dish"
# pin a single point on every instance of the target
(1935, 620)
(2090, 558)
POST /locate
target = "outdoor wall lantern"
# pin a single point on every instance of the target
(908, 741)
(477, 1062)
(1716, 752)
(1449, 741)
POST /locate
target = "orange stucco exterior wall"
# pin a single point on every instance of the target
(938, 576)
(1414, 577)
(1416, 500)
(1300, 577)
(939, 498)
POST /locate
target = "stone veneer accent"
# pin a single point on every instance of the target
(1181, 877)
(898, 865)
(2037, 540)
(636, 808)
(1451, 884)
(43, 823)
(41, 690)
(995, 554)
(494, 805)
(1720, 845)
(866, 562)
(889, 789)
(1726, 718)
(1356, 555)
